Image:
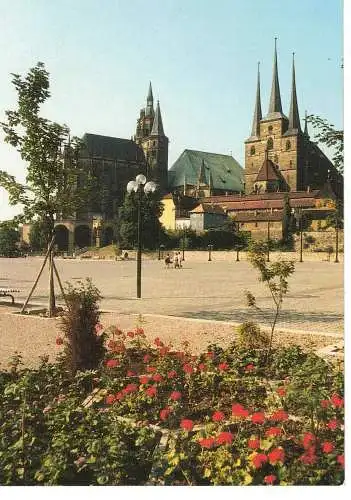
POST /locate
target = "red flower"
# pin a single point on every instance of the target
(157, 377)
(151, 369)
(218, 416)
(239, 411)
(332, 424)
(206, 442)
(164, 350)
(253, 443)
(225, 438)
(151, 391)
(59, 340)
(258, 418)
(202, 367)
(144, 379)
(276, 455)
(308, 440)
(187, 424)
(188, 368)
(279, 415)
(139, 331)
(146, 358)
(270, 479)
(112, 363)
(130, 373)
(130, 334)
(249, 367)
(119, 396)
(281, 391)
(175, 395)
(337, 401)
(309, 457)
(110, 399)
(112, 344)
(164, 414)
(210, 355)
(327, 447)
(341, 460)
(172, 374)
(158, 342)
(259, 459)
(130, 388)
(274, 431)
(325, 403)
(223, 366)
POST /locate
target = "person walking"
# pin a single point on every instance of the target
(179, 260)
(176, 261)
(168, 261)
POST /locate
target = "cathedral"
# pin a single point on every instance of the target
(280, 159)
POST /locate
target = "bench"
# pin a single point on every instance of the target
(7, 292)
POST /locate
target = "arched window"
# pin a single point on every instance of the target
(270, 143)
(290, 163)
(288, 145)
(252, 150)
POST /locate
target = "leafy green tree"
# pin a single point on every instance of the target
(54, 185)
(332, 138)
(152, 229)
(9, 238)
(287, 223)
(37, 236)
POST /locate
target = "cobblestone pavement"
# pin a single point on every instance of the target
(201, 289)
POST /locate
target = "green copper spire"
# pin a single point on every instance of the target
(149, 111)
(294, 119)
(255, 132)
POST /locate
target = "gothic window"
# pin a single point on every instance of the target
(276, 158)
(270, 129)
(290, 163)
(252, 150)
(288, 145)
(270, 143)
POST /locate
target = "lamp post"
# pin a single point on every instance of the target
(268, 239)
(210, 248)
(299, 216)
(160, 251)
(139, 186)
(183, 244)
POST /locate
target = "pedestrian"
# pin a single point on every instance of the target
(167, 261)
(179, 260)
(176, 261)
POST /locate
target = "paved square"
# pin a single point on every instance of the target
(201, 289)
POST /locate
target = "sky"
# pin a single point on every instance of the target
(200, 55)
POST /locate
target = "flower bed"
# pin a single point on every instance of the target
(225, 417)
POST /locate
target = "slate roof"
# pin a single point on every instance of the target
(269, 172)
(111, 148)
(226, 173)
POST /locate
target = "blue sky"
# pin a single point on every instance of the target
(201, 56)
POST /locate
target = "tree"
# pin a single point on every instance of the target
(152, 229)
(9, 238)
(332, 138)
(37, 236)
(54, 186)
(275, 277)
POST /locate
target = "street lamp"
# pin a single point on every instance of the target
(139, 186)
(210, 248)
(299, 216)
(183, 243)
(160, 251)
(268, 239)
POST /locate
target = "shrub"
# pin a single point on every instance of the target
(250, 335)
(84, 348)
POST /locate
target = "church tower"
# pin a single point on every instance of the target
(276, 135)
(151, 137)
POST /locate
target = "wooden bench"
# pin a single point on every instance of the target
(7, 292)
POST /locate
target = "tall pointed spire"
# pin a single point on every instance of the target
(255, 132)
(294, 119)
(157, 127)
(149, 110)
(202, 175)
(306, 127)
(275, 103)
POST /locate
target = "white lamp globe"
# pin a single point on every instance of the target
(132, 186)
(150, 187)
(140, 179)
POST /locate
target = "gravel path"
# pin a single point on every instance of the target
(33, 336)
